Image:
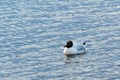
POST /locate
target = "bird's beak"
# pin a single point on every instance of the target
(64, 45)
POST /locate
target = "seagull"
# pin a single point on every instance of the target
(74, 48)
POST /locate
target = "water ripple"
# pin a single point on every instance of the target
(32, 39)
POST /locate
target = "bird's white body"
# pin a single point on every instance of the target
(77, 48)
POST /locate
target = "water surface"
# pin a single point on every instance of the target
(33, 33)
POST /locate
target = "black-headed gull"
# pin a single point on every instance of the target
(74, 48)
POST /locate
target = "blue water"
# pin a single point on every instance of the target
(33, 33)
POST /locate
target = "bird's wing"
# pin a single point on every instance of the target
(79, 46)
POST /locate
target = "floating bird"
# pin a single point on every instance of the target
(74, 48)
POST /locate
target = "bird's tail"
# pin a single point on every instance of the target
(84, 43)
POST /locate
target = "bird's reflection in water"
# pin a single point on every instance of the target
(74, 58)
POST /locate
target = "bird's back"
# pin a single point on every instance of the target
(79, 46)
